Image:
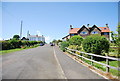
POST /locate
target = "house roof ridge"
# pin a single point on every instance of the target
(76, 29)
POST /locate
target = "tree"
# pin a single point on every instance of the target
(15, 43)
(58, 41)
(63, 45)
(95, 44)
(54, 41)
(76, 40)
(116, 36)
(16, 37)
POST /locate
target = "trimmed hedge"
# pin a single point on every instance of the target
(96, 44)
(12, 44)
(75, 40)
(5, 45)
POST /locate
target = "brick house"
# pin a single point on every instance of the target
(86, 31)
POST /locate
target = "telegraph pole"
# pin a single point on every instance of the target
(21, 30)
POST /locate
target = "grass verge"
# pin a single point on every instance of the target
(103, 68)
(17, 49)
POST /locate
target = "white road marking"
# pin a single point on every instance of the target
(63, 74)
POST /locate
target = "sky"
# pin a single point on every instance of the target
(53, 19)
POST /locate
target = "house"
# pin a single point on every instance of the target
(86, 31)
(36, 38)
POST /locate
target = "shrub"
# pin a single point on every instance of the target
(15, 43)
(76, 40)
(0, 45)
(40, 42)
(25, 43)
(59, 41)
(5, 45)
(63, 45)
(95, 44)
(76, 47)
(16, 37)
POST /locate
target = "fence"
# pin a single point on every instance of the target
(72, 51)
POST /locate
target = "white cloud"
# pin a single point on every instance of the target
(48, 39)
(0, 38)
(38, 33)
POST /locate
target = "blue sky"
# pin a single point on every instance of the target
(52, 19)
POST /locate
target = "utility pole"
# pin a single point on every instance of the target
(21, 30)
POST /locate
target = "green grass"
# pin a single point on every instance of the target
(17, 49)
(103, 68)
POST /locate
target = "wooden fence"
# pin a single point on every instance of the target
(72, 51)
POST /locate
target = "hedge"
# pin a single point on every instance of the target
(96, 44)
(75, 40)
(12, 44)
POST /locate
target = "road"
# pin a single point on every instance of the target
(43, 62)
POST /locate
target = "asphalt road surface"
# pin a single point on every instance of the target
(43, 62)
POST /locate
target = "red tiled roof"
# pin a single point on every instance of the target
(74, 30)
(104, 29)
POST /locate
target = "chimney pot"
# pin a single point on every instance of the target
(70, 26)
(106, 25)
(88, 25)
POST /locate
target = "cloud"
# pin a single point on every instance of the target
(0, 38)
(48, 39)
(38, 33)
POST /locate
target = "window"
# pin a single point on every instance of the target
(94, 32)
(105, 33)
(72, 34)
(83, 32)
(104, 28)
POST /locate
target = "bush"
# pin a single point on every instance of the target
(15, 43)
(63, 45)
(59, 41)
(5, 45)
(95, 44)
(40, 42)
(76, 47)
(76, 40)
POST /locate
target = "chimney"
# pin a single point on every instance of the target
(71, 27)
(88, 25)
(107, 25)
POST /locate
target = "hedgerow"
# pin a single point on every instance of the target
(13, 43)
(96, 44)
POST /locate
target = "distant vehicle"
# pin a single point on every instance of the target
(41, 44)
(52, 44)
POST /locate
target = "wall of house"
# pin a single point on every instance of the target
(83, 30)
(107, 36)
(95, 29)
(36, 39)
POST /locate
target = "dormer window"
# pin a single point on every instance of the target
(94, 32)
(83, 33)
